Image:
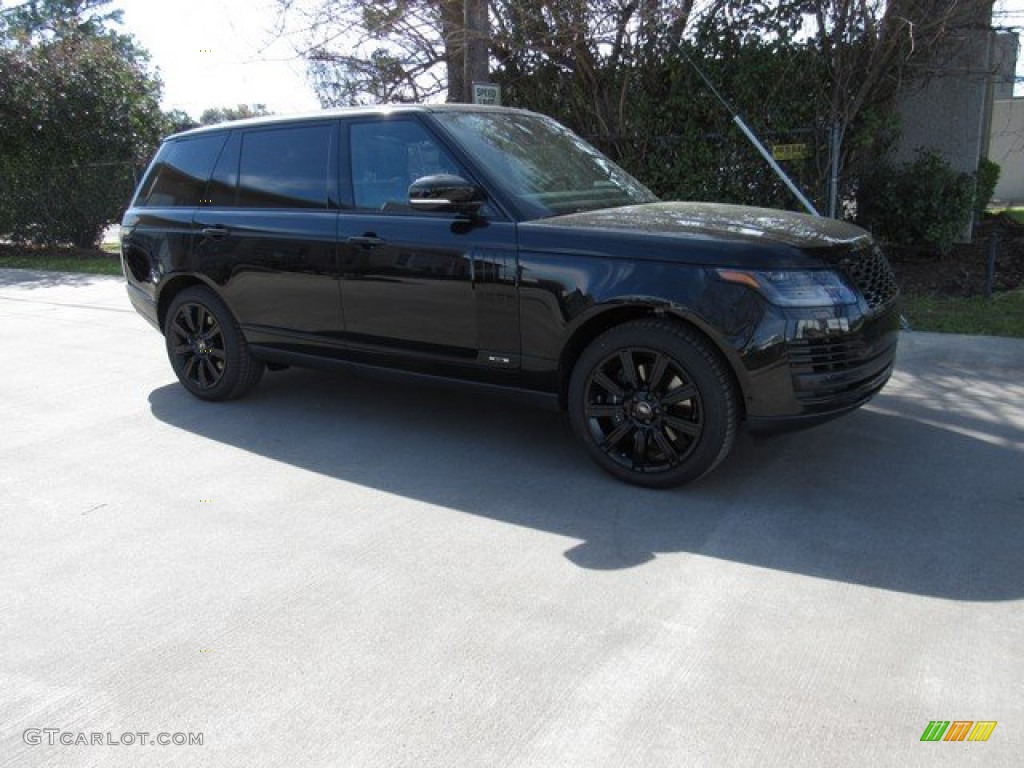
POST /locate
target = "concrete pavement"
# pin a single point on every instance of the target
(337, 571)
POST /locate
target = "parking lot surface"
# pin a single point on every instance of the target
(344, 571)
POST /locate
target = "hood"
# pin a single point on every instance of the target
(718, 222)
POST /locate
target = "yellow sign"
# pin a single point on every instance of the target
(790, 151)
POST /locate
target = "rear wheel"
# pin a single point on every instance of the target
(206, 347)
(653, 404)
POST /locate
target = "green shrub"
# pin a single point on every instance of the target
(923, 203)
(79, 111)
(988, 177)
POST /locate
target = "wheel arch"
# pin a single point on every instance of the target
(618, 314)
(174, 285)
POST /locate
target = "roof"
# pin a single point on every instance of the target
(375, 110)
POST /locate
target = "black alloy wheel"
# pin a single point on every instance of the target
(654, 405)
(206, 347)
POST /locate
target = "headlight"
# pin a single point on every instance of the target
(794, 287)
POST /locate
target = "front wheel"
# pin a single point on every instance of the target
(206, 347)
(653, 404)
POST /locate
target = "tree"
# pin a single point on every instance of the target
(50, 19)
(380, 51)
(178, 120)
(621, 72)
(223, 114)
(873, 48)
(80, 113)
(597, 56)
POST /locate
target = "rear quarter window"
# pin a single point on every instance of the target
(178, 174)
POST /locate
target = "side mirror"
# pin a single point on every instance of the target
(445, 193)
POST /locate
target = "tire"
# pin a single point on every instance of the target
(206, 347)
(653, 403)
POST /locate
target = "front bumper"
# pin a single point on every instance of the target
(817, 366)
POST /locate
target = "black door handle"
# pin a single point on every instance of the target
(216, 233)
(367, 241)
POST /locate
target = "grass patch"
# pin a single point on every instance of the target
(1016, 215)
(61, 259)
(1002, 315)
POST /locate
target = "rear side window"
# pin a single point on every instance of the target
(179, 172)
(285, 167)
(223, 188)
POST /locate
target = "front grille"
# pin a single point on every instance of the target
(870, 273)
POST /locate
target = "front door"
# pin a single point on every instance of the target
(428, 287)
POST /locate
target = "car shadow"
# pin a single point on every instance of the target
(891, 498)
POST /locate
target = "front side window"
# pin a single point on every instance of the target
(389, 155)
(547, 168)
(177, 177)
(284, 167)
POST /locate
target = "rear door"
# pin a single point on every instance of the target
(267, 234)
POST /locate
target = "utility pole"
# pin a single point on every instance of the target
(467, 46)
(478, 45)
(453, 27)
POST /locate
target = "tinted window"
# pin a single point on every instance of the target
(284, 167)
(179, 172)
(388, 156)
(223, 187)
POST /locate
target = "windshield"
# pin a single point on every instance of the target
(545, 166)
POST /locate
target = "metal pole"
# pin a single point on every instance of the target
(833, 182)
(990, 263)
(775, 166)
(753, 139)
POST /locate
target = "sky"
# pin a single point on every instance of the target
(221, 53)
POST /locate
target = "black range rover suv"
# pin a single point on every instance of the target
(494, 246)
